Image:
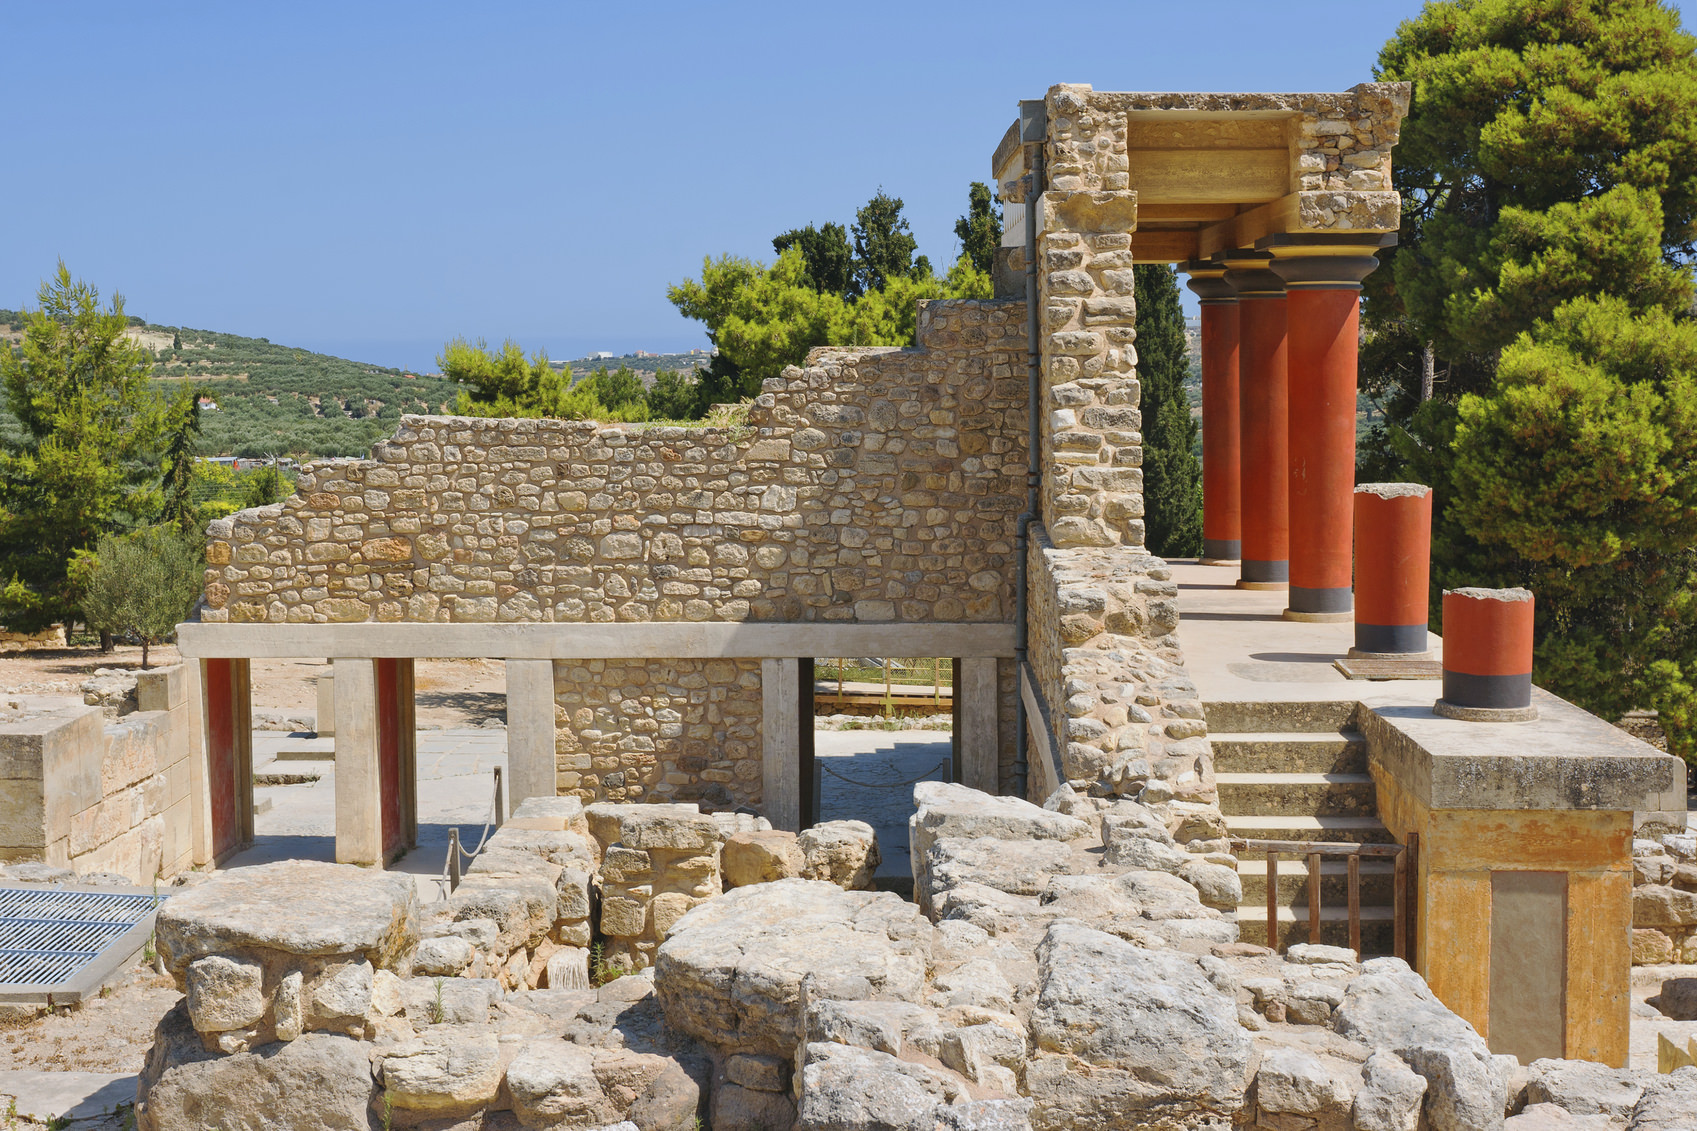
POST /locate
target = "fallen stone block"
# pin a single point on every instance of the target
(1581, 1087)
(731, 972)
(445, 1071)
(761, 858)
(844, 853)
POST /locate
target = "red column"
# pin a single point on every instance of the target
(1222, 531)
(1393, 568)
(1323, 281)
(1262, 411)
(1487, 654)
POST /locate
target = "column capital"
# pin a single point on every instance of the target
(1330, 261)
(1249, 274)
(1208, 280)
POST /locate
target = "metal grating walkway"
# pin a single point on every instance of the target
(48, 935)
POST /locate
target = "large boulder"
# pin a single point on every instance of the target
(730, 973)
(845, 1088)
(1390, 1007)
(1582, 1087)
(1669, 1102)
(298, 907)
(944, 809)
(1018, 867)
(1128, 1037)
(319, 1082)
(761, 857)
(844, 853)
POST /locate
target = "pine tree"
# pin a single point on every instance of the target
(1526, 338)
(883, 245)
(980, 230)
(1172, 477)
(826, 251)
(88, 459)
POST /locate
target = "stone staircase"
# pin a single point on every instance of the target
(1298, 771)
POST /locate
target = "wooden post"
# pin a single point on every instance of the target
(1411, 899)
(1273, 900)
(500, 806)
(453, 858)
(1314, 897)
(1355, 904)
(1399, 906)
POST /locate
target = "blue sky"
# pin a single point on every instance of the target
(371, 179)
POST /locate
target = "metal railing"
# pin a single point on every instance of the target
(1404, 859)
(452, 867)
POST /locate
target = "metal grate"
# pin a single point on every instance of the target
(47, 935)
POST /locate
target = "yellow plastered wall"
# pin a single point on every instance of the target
(1460, 848)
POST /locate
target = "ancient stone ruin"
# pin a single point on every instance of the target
(665, 931)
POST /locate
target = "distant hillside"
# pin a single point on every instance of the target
(279, 400)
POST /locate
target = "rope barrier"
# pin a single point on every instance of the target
(450, 877)
(943, 765)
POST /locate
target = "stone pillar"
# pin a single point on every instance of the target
(1222, 532)
(326, 714)
(225, 772)
(531, 768)
(780, 735)
(979, 731)
(359, 786)
(1323, 288)
(1263, 414)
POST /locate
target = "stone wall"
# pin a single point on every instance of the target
(872, 485)
(111, 799)
(1664, 900)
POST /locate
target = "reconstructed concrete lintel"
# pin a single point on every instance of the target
(592, 641)
(1567, 758)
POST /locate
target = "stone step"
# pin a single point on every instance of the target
(1378, 927)
(1378, 880)
(1271, 826)
(1297, 794)
(1279, 718)
(1340, 752)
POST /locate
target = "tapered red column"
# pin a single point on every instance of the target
(1262, 412)
(1222, 531)
(1323, 284)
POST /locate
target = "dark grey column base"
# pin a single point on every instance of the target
(1222, 549)
(1266, 572)
(1390, 639)
(1488, 692)
(1305, 600)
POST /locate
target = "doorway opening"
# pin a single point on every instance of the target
(878, 726)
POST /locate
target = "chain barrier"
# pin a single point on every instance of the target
(943, 765)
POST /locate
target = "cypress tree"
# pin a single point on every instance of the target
(1172, 475)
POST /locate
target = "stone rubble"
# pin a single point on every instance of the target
(1039, 983)
(1664, 900)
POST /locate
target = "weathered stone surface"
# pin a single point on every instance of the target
(448, 1001)
(1132, 1035)
(298, 907)
(343, 990)
(225, 993)
(553, 1082)
(1218, 885)
(1678, 999)
(884, 1026)
(1293, 1082)
(943, 809)
(1390, 1095)
(446, 955)
(1128, 849)
(1019, 867)
(844, 853)
(1581, 1087)
(320, 1082)
(1391, 1007)
(852, 1089)
(737, 1106)
(761, 857)
(1658, 905)
(730, 973)
(447, 1070)
(1549, 1117)
(986, 1115)
(1669, 1102)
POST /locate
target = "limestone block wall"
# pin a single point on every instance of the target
(871, 485)
(1664, 900)
(113, 799)
(1128, 721)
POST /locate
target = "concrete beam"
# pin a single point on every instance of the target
(531, 768)
(668, 640)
